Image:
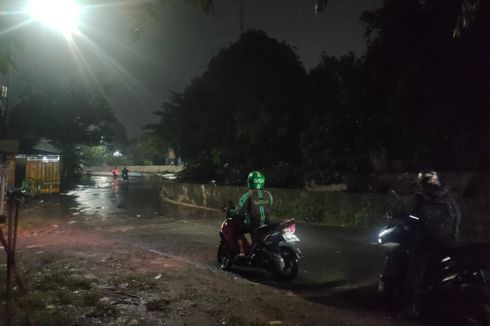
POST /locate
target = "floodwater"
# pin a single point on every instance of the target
(335, 259)
(132, 211)
(105, 196)
(339, 267)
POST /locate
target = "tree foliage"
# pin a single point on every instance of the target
(96, 155)
(418, 98)
(427, 89)
(244, 112)
(338, 138)
(67, 115)
(146, 149)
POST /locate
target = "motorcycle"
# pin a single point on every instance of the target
(274, 248)
(456, 278)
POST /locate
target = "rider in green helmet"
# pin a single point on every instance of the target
(253, 208)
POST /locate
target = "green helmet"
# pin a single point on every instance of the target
(256, 180)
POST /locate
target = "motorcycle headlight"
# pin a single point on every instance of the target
(385, 232)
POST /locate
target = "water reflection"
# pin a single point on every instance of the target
(104, 196)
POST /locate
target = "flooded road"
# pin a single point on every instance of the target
(339, 267)
(338, 271)
(132, 211)
(338, 263)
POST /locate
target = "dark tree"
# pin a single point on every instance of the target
(428, 91)
(244, 112)
(68, 116)
(146, 149)
(337, 140)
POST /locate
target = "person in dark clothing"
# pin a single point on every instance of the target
(253, 209)
(125, 173)
(440, 220)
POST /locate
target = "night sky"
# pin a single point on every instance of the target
(136, 76)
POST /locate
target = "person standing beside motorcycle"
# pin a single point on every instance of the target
(253, 208)
(440, 219)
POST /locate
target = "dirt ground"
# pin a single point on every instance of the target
(77, 276)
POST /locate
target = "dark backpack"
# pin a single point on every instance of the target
(438, 215)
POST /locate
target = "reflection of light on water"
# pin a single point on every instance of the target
(95, 182)
(103, 198)
(102, 182)
(115, 186)
(94, 198)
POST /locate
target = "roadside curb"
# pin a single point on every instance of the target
(168, 200)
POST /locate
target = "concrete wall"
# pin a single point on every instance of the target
(153, 169)
(333, 208)
(336, 208)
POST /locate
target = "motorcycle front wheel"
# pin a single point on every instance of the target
(291, 265)
(224, 256)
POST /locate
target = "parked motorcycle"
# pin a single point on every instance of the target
(455, 281)
(274, 248)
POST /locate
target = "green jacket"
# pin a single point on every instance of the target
(254, 207)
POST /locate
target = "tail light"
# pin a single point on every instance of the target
(290, 229)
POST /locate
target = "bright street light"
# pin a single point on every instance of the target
(62, 15)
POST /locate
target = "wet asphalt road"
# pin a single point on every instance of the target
(339, 267)
(132, 210)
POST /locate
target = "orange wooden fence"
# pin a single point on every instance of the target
(43, 176)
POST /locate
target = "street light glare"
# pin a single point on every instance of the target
(61, 15)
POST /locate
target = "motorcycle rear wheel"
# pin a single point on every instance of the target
(291, 265)
(224, 256)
